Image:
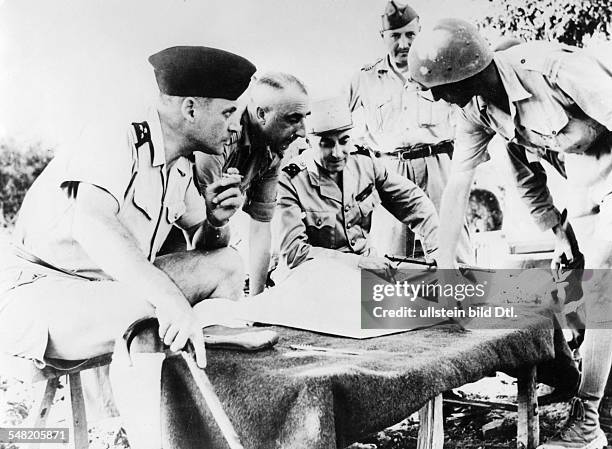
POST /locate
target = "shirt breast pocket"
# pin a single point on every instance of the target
(367, 203)
(175, 211)
(320, 227)
(384, 110)
(142, 203)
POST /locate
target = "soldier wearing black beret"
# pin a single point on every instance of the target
(91, 226)
(201, 72)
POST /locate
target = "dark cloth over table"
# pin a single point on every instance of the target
(297, 399)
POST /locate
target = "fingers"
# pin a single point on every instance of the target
(228, 198)
(181, 339)
(171, 334)
(225, 182)
(199, 348)
(163, 328)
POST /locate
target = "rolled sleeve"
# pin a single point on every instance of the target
(260, 200)
(471, 141)
(587, 79)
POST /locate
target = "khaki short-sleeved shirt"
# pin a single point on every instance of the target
(316, 213)
(560, 100)
(394, 108)
(151, 196)
(560, 103)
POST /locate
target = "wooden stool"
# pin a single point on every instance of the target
(26, 371)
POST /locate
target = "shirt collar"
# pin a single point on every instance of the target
(385, 65)
(309, 158)
(157, 140)
(515, 90)
(182, 165)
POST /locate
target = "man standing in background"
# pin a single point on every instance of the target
(410, 132)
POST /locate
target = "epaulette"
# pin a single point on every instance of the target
(367, 67)
(361, 149)
(293, 169)
(143, 133)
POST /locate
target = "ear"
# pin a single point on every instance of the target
(260, 113)
(188, 109)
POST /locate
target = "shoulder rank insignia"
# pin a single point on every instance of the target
(292, 169)
(143, 133)
(367, 67)
(360, 149)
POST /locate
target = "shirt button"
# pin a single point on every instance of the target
(522, 61)
(319, 221)
(347, 208)
(353, 242)
(554, 133)
(348, 226)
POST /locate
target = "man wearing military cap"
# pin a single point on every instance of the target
(410, 133)
(274, 117)
(328, 193)
(83, 265)
(550, 99)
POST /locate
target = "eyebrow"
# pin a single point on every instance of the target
(230, 109)
(296, 115)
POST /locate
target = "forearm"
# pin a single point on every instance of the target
(260, 240)
(206, 236)
(113, 249)
(409, 204)
(452, 215)
(531, 182)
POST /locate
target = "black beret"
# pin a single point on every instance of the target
(397, 16)
(187, 71)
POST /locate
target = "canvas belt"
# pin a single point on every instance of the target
(419, 151)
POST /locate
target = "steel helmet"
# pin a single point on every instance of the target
(450, 51)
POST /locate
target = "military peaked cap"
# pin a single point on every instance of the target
(397, 16)
(187, 71)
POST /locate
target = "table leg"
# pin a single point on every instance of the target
(431, 425)
(528, 426)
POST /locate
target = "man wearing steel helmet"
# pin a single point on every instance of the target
(409, 132)
(547, 98)
(328, 193)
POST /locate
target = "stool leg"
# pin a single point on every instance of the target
(79, 416)
(528, 427)
(41, 408)
(431, 425)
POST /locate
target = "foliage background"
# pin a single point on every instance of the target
(571, 22)
(19, 167)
